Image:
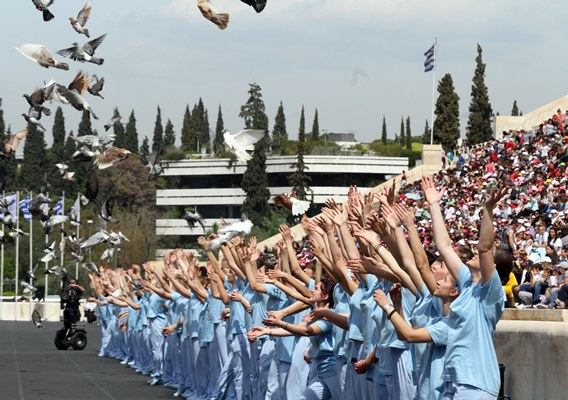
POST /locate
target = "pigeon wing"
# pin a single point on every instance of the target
(80, 83)
(98, 85)
(12, 143)
(84, 14)
(92, 45)
(35, 52)
(69, 51)
(247, 138)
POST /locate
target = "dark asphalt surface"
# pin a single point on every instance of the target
(32, 368)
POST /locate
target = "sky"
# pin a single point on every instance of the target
(355, 61)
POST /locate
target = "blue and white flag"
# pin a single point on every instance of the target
(12, 206)
(58, 207)
(75, 214)
(430, 55)
(25, 208)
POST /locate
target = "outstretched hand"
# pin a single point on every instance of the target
(430, 192)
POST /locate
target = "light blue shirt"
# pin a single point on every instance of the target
(156, 307)
(341, 306)
(322, 347)
(236, 323)
(470, 354)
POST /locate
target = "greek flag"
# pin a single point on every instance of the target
(25, 208)
(58, 207)
(429, 64)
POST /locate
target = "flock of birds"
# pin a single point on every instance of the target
(99, 149)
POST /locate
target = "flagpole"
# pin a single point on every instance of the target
(62, 234)
(17, 262)
(31, 246)
(2, 265)
(47, 262)
(434, 89)
(77, 234)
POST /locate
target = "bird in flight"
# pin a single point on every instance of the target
(79, 23)
(207, 10)
(243, 142)
(41, 55)
(43, 5)
(84, 53)
(289, 201)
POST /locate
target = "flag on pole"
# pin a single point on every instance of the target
(58, 207)
(12, 206)
(75, 214)
(430, 55)
(25, 208)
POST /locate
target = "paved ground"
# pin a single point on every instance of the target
(32, 368)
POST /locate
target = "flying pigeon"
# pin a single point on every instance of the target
(12, 143)
(53, 221)
(96, 86)
(298, 207)
(55, 270)
(84, 53)
(107, 254)
(106, 212)
(66, 175)
(72, 94)
(17, 233)
(242, 227)
(29, 275)
(7, 220)
(258, 5)
(99, 237)
(111, 156)
(193, 218)
(79, 23)
(33, 117)
(43, 5)
(243, 142)
(92, 267)
(207, 10)
(94, 141)
(40, 96)
(153, 169)
(117, 239)
(113, 122)
(41, 55)
(83, 154)
(27, 287)
(36, 319)
(48, 257)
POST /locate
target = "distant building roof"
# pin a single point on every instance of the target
(340, 137)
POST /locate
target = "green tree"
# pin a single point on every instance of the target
(35, 159)
(187, 141)
(255, 179)
(279, 133)
(401, 139)
(158, 138)
(58, 132)
(447, 123)
(169, 135)
(384, 131)
(302, 128)
(299, 180)
(131, 134)
(426, 136)
(145, 148)
(515, 110)
(219, 141)
(85, 127)
(315, 127)
(118, 131)
(408, 135)
(480, 113)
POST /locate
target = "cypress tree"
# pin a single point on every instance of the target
(85, 127)
(447, 123)
(118, 131)
(58, 131)
(219, 142)
(401, 139)
(298, 179)
(515, 110)
(279, 134)
(35, 160)
(302, 128)
(169, 135)
(131, 134)
(479, 121)
(408, 135)
(202, 126)
(158, 138)
(145, 148)
(315, 127)
(384, 131)
(186, 139)
(427, 134)
(255, 179)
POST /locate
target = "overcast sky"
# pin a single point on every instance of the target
(354, 61)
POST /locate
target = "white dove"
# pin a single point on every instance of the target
(298, 207)
(27, 287)
(243, 142)
(242, 227)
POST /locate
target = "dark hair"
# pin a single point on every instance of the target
(503, 263)
(327, 285)
(465, 253)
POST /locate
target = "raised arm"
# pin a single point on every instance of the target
(487, 235)
(291, 254)
(441, 237)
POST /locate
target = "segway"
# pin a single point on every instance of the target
(75, 337)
